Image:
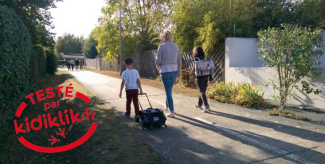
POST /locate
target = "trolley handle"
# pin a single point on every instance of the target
(147, 99)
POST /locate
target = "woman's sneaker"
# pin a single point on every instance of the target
(207, 109)
(171, 114)
(198, 107)
(126, 114)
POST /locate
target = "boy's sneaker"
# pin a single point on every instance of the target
(198, 107)
(126, 114)
(171, 114)
(137, 118)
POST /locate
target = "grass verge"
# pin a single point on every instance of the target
(287, 114)
(112, 142)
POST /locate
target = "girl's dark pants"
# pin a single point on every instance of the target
(202, 82)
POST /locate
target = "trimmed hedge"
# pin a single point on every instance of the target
(38, 68)
(43, 61)
(51, 62)
(15, 48)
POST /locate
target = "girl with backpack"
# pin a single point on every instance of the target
(202, 79)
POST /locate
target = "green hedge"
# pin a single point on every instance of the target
(51, 62)
(40, 66)
(15, 48)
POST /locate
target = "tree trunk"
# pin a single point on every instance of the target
(283, 100)
(281, 106)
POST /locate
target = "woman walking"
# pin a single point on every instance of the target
(202, 81)
(169, 65)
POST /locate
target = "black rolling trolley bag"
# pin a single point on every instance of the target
(152, 117)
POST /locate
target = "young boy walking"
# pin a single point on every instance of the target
(131, 80)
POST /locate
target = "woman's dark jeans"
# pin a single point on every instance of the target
(202, 82)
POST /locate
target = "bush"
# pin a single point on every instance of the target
(187, 78)
(51, 62)
(15, 47)
(243, 94)
(38, 63)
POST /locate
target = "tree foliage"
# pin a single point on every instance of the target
(69, 44)
(107, 37)
(310, 13)
(36, 16)
(89, 47)
(142, 21)
(293, 52)
(195, 22)
(208, 23)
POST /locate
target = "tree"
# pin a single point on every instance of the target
(107, 37)
(207, 23)
(142, 21)
(293, 52)
(89, 47)
(310, 13)
(68, 44)
(36, 16)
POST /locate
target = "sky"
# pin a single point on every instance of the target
(78, 17)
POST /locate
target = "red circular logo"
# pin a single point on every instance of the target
(47, 121)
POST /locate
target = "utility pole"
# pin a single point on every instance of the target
(120, 41)
(234, 29)
(230, 19)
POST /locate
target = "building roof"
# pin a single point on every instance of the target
(71, 55)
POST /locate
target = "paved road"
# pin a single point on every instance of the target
(229, 134)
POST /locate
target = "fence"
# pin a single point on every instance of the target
(100, 64)
(145, 63)
(218, 56)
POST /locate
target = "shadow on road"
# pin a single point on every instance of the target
(280, 145)
(294, 131)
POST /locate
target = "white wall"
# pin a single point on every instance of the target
(243, 52)
(242, 65)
